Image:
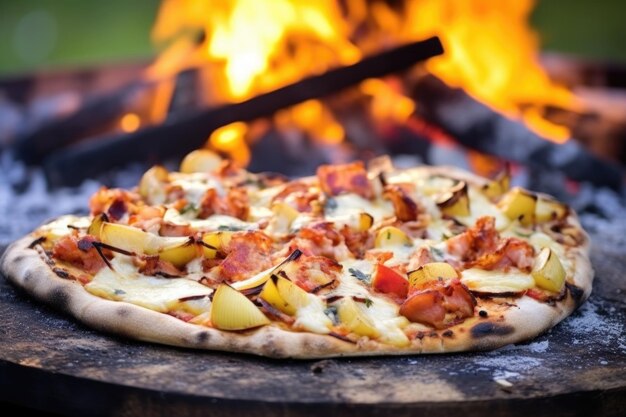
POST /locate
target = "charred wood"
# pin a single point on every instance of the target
(478, 127)
(183, 133)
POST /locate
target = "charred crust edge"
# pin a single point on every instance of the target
(486, 329)
(577, 294)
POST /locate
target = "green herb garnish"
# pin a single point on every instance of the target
(360, 275)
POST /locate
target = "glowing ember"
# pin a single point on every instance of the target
(130, 122)
(245, 47)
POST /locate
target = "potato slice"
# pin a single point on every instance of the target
(431, 272)
(548, 209)
(548, 271)
(355, 320)
(231, 310)
(365, 222)
(96, 225)
(284, 215)
(135, 240)
(151, 184)
(217, 240)
(180, 254)
(499, 185)
(455, 202)
(200, 160)
(519, 204)
(284, 295)
(391, 236)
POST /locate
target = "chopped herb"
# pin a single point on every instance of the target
(331, 312)
(368, 302)
(437, 253)
(388, 235)
(230, 228)
(360, 275)
(189, 207)
(119, 292)
(331, 204)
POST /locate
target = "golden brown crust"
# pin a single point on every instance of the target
(523, 319)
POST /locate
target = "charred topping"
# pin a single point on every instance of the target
(61, 273)
(334, 298)
(36, 242)
(320, 287)
(193, 297)
(483, 314)
(340, 337)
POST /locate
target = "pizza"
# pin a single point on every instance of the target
(356, 260)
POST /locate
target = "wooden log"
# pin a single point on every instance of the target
(478, 127)
(183, 133)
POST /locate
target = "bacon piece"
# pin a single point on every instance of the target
(439, 304)
(405, 208)
(115, 202)
(321, 239)
(171, 229)
(477, 240)
(299, 195)
(347, 178)
(234, 204)
(151, 265)
(248, 253)
(510, 252)
(419, 258)
(79, 252)
(378, 256)
(312, 273)
(357, 241)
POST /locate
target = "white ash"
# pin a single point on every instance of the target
(26, 202)
(606, 329)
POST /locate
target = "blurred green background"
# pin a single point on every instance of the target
(53, 33)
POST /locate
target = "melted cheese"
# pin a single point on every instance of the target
(352, 204)
(124, 283)
(196, 185)
(496, 281)
(60, 227)
(311, 317)
(214, 222)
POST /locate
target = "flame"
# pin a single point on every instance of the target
(130, 122)
(245, 47)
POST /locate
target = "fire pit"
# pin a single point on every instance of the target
(345, 84)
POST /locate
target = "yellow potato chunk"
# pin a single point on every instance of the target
(351, 315)
(519, 204)
(217, 240)
(231, 310)
(201, 160)
(151, 184)
(456, 201)
(391, 236)
(548, 209)
(548, 271)
(431, 272)
(284, 295)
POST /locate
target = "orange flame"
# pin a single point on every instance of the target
(245, 47)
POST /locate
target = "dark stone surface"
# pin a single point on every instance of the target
(50, 362)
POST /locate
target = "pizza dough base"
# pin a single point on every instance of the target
(523, 320)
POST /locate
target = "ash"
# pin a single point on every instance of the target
(26, 202)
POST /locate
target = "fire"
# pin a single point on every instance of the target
(246, 47)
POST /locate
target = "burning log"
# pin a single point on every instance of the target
(478, 127)
(182, 133)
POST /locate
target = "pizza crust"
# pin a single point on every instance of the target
(525, 320)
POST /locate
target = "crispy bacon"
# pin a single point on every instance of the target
(79, 252)
(114, 202)
(405, 208)
(347, 178)
(357, 241)
(510, 252)
(419, 258)
(481, 246)
(321, 239)
(234, 204)
(248, 253)
(313, 273)
(152, 265)
(171, 229)
(440, 304)
(477, 240)
(298, 194)
(378, 256)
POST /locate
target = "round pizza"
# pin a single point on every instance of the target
(353, 261)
